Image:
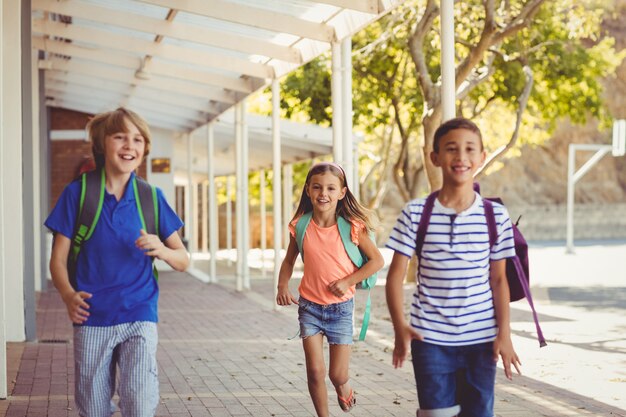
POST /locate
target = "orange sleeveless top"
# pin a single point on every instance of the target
(325, 261)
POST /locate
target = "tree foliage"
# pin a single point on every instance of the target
(521, 66)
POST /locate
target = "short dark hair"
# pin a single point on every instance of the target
(453, 124)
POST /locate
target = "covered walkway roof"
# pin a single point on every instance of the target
(182, 63)
(299, 141)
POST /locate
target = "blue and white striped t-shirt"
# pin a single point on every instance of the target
(453, 304)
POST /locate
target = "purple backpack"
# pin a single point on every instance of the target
(517, 271)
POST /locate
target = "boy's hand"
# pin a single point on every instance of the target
(339, 287)
(403, 338)
(151, 245)
(77, 306)
(503, 346)
(285, 298)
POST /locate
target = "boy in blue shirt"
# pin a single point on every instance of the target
(459, 324)
(113, 305)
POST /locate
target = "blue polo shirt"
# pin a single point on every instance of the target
(117, 274)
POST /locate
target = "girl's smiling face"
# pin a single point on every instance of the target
(124, 151)
(325, 191)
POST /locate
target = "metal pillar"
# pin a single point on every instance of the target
(245, 202)
(213, 226)
(263, 245)
(288, 199)
(448, 86)
(229, 217)
(346, 111)
(239, 199)
(335, 85)
(189, 201)
(204, 213)
(3, 272)
(276, 185)
(572, 178)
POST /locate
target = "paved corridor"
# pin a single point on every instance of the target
(223, 353)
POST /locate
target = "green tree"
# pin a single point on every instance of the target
(500, 48)
(525, 62)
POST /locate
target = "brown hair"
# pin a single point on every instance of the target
(348, 208)
(109, 123)
(453, 124)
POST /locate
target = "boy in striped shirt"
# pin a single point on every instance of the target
(459, 317)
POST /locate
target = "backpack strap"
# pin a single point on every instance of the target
(148, 209)
(515, 261)
(491, 223)
(345, 231)
(520, 273)
(92, 185)
(422, 227)
(147, 205)
(301, 225)
(355, 255)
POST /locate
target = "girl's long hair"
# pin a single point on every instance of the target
(348, 207)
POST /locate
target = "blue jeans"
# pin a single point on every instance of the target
(332, 320)
(449, 375)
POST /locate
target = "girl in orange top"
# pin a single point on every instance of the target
(326, 304)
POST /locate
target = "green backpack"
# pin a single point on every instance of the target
(357, 257)
(90, 207)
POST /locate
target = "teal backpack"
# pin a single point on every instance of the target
(90, 207)
(356, 256)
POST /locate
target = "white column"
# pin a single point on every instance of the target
(213, 224)
(346, 111)
(571, 168)
(11, 218)
(262, 214)
(276, 187)
(229, 216)
(204, 198)
(3, 333)
(356, 188)
(448, 86)
(288, 199)
(239, 199)
(190, 223)
(245, 202)
(335, 87)
(572, 178)
(39, 234)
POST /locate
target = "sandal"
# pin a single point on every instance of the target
(347, 404)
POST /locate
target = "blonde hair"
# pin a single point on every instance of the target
(109, 123)
(348, 207)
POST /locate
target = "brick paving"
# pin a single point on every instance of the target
(223, 353)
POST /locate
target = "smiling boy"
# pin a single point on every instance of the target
(459, 322)
(112, 297)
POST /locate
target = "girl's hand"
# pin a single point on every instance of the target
(503, 346)
(403, 338)
(77, 306)
(339, 287)
(151, 245)
(285, 298)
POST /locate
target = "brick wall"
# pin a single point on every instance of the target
(67, 156)
(62, 119)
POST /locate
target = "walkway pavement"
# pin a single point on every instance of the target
(223, 353)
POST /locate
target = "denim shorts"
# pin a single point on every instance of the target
(332, 320)
(449, 375)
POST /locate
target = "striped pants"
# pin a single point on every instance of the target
(99, 351)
